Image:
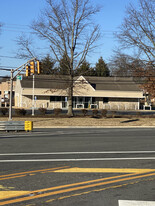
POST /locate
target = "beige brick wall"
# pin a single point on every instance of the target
(113, 104)
(40, 102)
(119, 104)
(5, 86)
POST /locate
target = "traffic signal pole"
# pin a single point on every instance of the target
(18, 70)
(11, 88)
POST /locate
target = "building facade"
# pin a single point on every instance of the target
(5, 92)
(113, 93)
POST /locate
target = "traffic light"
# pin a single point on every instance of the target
(32, 67)
(38, 67)
(27, 70)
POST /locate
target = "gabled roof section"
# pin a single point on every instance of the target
(81, 80)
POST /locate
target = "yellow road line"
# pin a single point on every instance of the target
(34, 171)
(73, 189)
(31, 205)
(6, 178)
(96, 190)
(10, 194)
(104, 170)
(75, 184)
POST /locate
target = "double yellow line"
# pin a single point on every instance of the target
(23, 174)
(75, 186)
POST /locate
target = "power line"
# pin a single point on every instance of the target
(16, 26)
(19, 28)
(2, 69)
(31, 32)
(7, 67)
(9, 57)
(18, 31)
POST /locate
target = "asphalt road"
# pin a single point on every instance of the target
(95, 167)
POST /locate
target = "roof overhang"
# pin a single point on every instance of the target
(90, 93)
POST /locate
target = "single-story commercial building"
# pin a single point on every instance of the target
(5, 92)
(48, 91)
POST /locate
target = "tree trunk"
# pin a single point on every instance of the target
(70, 98)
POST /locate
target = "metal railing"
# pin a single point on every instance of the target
(16, 126)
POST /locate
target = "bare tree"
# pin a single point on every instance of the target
(68, 27)
(147, 78)
(25, 44)
(138, 29)
(122, 64)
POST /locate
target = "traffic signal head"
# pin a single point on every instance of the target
(38, 67)
(27, 70)
(32, 67)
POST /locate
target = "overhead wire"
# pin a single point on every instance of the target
(20, 28)
(7, 67)
(9, 57)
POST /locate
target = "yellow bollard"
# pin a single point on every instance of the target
(28, 125)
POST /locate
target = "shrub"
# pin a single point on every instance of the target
(4, 111)
(84, 111)
(42, 110)
(57, 111)
(113, 114)
(138, 114)
(21, 112)
(104, 112)
(95, 112)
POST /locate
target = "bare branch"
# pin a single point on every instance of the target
(25, 47)
(138, 29)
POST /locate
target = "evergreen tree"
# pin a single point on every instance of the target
(64, 65)
(85, 69)
(101, 68)
(47, 65)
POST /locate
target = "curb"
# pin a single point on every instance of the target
(93, 127)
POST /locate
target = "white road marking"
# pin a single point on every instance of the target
(135, 203)
(67, 153)
(72, 160)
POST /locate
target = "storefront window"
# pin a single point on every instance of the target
(105, 99)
